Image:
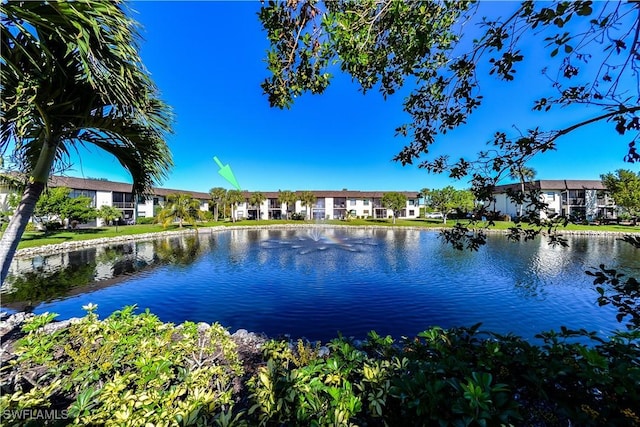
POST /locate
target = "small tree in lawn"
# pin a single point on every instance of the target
(624, 186)
(78, 210)
(394, 201)
(108, 214)
(56, 203)
(181, 207)
(449, 198)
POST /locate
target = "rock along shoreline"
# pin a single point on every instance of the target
(102, 241)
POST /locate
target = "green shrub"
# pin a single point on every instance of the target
(453, 377)
(145, 220)
(128, 369)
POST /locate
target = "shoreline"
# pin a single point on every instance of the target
(103, 241)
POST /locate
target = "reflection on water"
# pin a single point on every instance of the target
(319, 281)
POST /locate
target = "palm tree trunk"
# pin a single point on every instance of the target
(18, 223)
(522, 188)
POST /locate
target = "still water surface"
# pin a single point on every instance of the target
(319, 281)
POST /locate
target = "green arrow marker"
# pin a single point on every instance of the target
(226, 173)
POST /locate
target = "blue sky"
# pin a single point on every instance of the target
(207, 59)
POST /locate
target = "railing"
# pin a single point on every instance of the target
(573, 201)
(123, 205)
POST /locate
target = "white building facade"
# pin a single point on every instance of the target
(580, 199)
(328, 204)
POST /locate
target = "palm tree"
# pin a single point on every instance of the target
(182, 207)
(289, 198)
(72, 76)
(218, 195)
(424, 193)
(234, 198)
(307, 198)
(256, 199)
(522, 174)
(109, 213)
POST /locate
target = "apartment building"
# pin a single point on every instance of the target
(328, 204)
(583, 199)
(116, 194)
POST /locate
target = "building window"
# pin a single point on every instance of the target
(551, 196)
(411, 212)
(366, 203)
(366, 211)
(84, 193)
(352, 202)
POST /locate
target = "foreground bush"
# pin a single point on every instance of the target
(126, 370)
(453, 377)
(135, 370)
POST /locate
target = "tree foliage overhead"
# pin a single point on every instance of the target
(72, 75)
(442, 51)
(592, 48)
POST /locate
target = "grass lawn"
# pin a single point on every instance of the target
(38, 238)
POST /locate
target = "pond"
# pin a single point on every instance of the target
(316, 282)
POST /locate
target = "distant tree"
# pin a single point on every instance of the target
(55, 204)
(218, 196)
(79, 210)
(307, 198)
(234, 198)
(448, 198)
(51, 204)
(424, 193)
(394, 201)
(109, 214)
(288, 198)
(180, 207)
(624, 186)
(71, 75)
(256, 199)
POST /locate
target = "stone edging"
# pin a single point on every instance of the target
(79, 244)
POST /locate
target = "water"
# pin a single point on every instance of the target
(316, 282)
